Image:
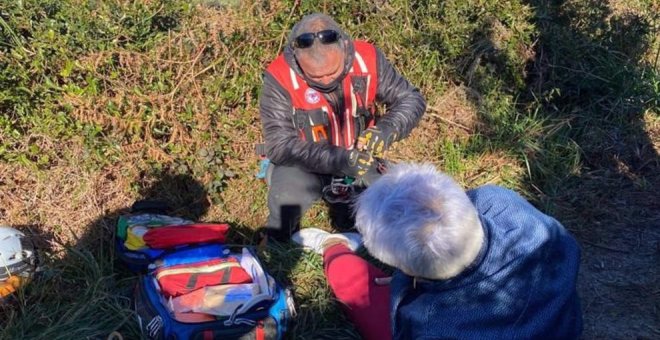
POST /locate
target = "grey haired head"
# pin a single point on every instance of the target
(420, 221)
(313, 23)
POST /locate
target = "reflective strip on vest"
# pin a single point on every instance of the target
(363, 66)
(294, 81)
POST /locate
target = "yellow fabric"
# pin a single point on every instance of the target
(134, 237)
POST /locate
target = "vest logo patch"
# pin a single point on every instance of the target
(311, 96)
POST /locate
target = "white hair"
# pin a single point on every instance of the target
(420, 221)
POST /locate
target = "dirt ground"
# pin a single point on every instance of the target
(619, 280)
(615, 215)
(618, 284)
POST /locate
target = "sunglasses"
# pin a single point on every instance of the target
(306, 40)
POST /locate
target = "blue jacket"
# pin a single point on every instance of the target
(521, 286)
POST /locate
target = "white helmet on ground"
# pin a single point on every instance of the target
(17, 256)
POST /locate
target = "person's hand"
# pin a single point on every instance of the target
(376, 171)
(358, 163)
(375, 140)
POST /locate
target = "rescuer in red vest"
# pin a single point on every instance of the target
(319, 118)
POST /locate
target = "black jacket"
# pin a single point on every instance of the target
(404, 108)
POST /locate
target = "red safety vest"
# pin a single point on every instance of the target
(314, 117)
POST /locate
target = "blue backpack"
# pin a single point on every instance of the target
(266, 316)
(260, 309)
(149, 214)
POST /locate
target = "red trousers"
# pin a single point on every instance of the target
(352, 280)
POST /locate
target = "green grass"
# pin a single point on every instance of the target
(561, 102)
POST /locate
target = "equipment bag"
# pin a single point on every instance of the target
(260, 309)
(147, 234)
(185, 278)
(192, 285)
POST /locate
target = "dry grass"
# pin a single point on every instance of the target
(65, 200)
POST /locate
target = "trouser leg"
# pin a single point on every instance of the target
(341, 216)
(352, 280)
(291, 192)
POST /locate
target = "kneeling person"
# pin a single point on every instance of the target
(484, 264)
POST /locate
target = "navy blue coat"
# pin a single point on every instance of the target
(521, 286)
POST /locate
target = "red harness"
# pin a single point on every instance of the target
(314, 117)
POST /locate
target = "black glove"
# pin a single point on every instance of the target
(357, 164)
(378, 168)
(376, 140)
